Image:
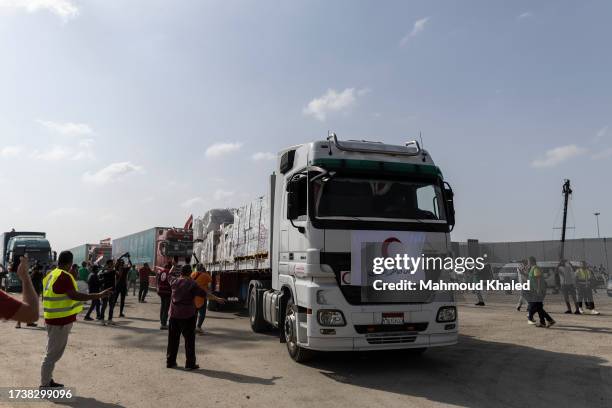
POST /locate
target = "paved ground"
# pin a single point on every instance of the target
(500, 361)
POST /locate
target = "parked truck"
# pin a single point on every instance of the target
(94, 253)
(296, 257)
(15, 244)
(156, 246)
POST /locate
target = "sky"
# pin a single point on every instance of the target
(117, 116)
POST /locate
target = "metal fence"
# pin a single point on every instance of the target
(596, 251)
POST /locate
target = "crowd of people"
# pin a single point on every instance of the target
(576, 285)
(183, 292)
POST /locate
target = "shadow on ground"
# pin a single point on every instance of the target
(478, 373)
(88, 403)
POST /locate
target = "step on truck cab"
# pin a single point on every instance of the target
(333, 205)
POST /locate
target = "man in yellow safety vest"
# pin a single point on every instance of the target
(61, 303)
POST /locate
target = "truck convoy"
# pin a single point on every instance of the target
(156, 246)
(298, 257)
(94, 253)
(15, 244)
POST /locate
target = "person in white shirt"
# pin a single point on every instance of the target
(568, 284)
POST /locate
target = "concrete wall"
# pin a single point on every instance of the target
(596, 251)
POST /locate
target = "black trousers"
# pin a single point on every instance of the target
(109, 302)
(95, 305)
(119, 294)
(142, 292)
(163, 309)
(186, 328)
(538, 307)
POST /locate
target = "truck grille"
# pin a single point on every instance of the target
(411, 328)
(390, 338)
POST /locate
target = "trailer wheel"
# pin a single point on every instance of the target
(258, 324)
(297, 353)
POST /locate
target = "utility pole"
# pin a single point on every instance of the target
(597, 218)
(567, 191)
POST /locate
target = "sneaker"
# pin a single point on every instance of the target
(518, 308)
(191, 368)
(52, 384)
(162, 327)
(110, 323)
(89, 319)
(18, 326)
(32, 325)
(121, 315)
(540, 325)
(577, 312)
(568, 312)
(479, 304)
(531, 322)
(171, 365)
(581, 311)
(550, 324)
(595, 312)
(199, 330)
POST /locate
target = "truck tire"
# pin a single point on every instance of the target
(290, 325)
(258, 324)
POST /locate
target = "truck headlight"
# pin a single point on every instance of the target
(331, 318)
(321, 299)
(446, 314)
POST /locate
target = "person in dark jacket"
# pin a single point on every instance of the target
(183, 315)
(164, 292)
(107, 280)
(94, 287)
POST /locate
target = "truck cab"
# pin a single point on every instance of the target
(36, 247)
(333, 206)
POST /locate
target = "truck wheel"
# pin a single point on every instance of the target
(258, 324)
(297, 353)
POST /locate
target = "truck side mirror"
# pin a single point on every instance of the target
(449, 198)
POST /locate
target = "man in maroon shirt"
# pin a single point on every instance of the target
(26, 310)
(59, 328)
(143, 274)
(183, 316)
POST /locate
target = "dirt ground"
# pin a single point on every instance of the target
(500, 361)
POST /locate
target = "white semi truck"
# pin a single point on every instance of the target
(333, 205)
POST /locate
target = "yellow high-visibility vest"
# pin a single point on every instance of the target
(55, 305)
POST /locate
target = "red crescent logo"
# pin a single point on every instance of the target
(385, 246)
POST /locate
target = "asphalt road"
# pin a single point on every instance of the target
(500, 361)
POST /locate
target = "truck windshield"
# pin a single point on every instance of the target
(384, 200)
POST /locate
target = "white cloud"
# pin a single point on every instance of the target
(262, 156)
(65, 9)
(417, 28)
(526, 14)
(603, 154)
(10, 151)
(67, 128)
(221, 149)
(601, 133)
(192, 202)
(220, 195)
(558, 155)
(332, 101)
(112, 172)
(56, 153)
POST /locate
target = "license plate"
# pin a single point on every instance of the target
(393, 318)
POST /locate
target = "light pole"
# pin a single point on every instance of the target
(597, 219)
